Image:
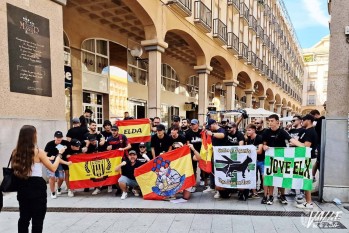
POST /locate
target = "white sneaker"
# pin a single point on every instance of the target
(208, 190)
(59, 191)
(217, 195)
(53, 195)
(305, 205)
(202, 183)
(135, 192)
(110, 189)
(124, 195)
(70, 193)
(96, 191)
(193, 189)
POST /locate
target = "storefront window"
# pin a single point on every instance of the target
(169, 78)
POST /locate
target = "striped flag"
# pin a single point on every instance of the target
(166, 175)
(94, 170)
(136, 131)
(206, 152)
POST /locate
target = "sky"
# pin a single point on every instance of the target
(310, 20)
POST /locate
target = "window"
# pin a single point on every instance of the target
(169, 78)
(137, 70)
(95, 55)
(311, 99)
(66, 50)
(193, 85)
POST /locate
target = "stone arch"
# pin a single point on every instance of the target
(289, 104)
(277, 99)
(269, 94)
(258, 89)
(218, 61)
(284, 102)
(244, 80)
(293, 107)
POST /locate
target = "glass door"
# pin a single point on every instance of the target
(94, 102)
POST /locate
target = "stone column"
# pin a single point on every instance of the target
(154, 49)
(278, 108)
(261, 101)
(203, 72)
(272, 105)
(289, 112)
(230, 99)
(249, 98)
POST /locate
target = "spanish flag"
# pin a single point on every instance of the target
(166, 175)
(94, 170)
(206, 152)
(136, 131)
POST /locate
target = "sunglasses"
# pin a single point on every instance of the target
(142, 147)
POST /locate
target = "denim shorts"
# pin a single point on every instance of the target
(129, 182)
(260, 167)
(59, 173)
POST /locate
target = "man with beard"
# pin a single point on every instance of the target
(156, 122)
(259, 126)
(235, 137)
(185, 126)
(93, 132)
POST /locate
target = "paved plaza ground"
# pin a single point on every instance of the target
(108, 213)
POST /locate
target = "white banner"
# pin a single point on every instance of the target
(235, 166)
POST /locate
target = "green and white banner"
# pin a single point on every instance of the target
(288, 167)
(235, 166)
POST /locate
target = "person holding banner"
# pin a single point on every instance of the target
(274, 136)
(94, 133)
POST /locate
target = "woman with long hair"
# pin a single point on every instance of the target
(26, 162)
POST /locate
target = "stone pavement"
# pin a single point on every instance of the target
(107, 213)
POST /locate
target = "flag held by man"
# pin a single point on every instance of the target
(206, 152)
(166, 175)
(136, 131)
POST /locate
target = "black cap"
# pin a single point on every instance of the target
(132, 152)
(176, 118)
(75, 120)
(75, 142)
(210, 122)
(308, 117)
(160, 127)
(92, 137)
(114, 127)
(58, 134)
(141, 144)
(106, 122)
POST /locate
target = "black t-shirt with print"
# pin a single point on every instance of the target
(51, 149)
(99, 136)
(180, 138)
(310, 135)
(128, 170)
(275, 138)
(234, 139)
(194, 138)
(296, 133)
(219, 141)
(256, 142)
(160, 145)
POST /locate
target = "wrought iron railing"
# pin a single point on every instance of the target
(220, 30)
(203, 14)
(252, 58)
(252, 23)
(233, 41)
(243, 50)
(244, 11)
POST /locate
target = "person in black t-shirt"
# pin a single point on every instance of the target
(176, 137)
(310, 139)
(107, 129)
(276, 137)
(318, 128)
(175, 123)
(127, 178)
(52, 152)
(259, 126)
(297, 128)
(160, 142)
(77, 131)
(185, 126)
(235, 137)
(143, 155)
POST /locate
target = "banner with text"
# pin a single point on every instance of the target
(94, 170)
(235, 166)
(288, 167)
(136, 131)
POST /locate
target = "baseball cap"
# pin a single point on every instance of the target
(75, 120)
(114, 127)
(160, 127)
(194, 121)
(211, 121)
(224, 120)
(106, 122)
(142, 144)
(75, 142)
(176, 118)
(58, 134)
(132, 152)
(308, 117)
(92, 137)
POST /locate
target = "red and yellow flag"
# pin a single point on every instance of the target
(166, 175)
(94, 170)
(206, 152)
(136, 131)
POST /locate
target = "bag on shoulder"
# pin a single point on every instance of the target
(9, 182)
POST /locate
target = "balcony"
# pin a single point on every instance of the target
(202, 17)
(244, 11)
(253, 23)
(243, 51)
(270, 75)
(311, 88)
(251, 58)
(271, 46)
(233, 42)
(275, 77)
(266, 10)
(235, 3)
(265, 69)
(259, 64)
(219, 32)
(266, 40)
(260, 32)
(181, 7)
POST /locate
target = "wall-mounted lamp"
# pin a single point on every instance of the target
(219, 86)
(137, 52)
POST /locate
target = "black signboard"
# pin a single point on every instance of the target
(29, 52)
(68, 77)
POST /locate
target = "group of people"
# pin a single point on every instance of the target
(27, 159)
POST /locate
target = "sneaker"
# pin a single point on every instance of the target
(70, 193)
(255, 195)
(260, 191)
(217, 195)
(135, 192)
(96, 191)
(264, 200)
(300, 196)
(53, 195)
(59, 191)
(110, 189)
(124, 195)
(305, 205)
(270, 200)
(208, 190)
(193, 189)
(283, 199)
(202, 183)
(291, 193)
